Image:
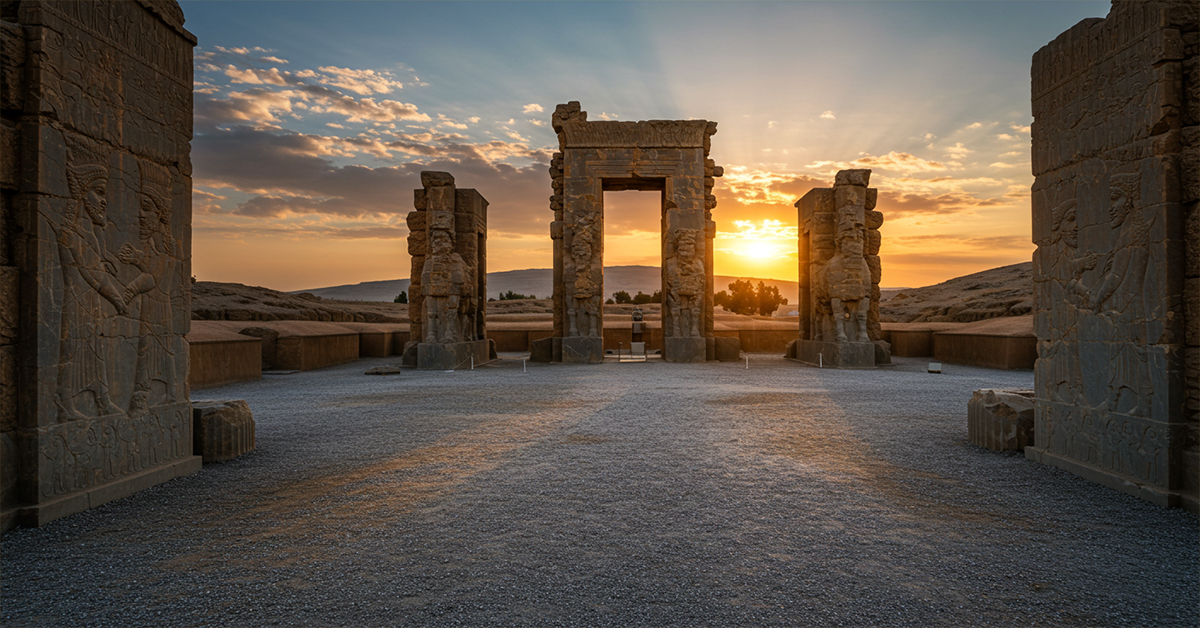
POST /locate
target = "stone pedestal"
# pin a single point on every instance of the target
(582, 350)
(221, 430)
(1001, 419)
(448, 357)
(839, 355)
(677, 349)
(727, 349)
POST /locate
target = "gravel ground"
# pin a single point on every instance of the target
(614, 494)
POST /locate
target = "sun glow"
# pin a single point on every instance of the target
(766, 248)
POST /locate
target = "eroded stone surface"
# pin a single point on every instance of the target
(1111, 271)
(96, 247)
(669, 156)
(222, 430)
(840, 268)
(1001, 419)
(448, 289)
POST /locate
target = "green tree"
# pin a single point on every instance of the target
(656, 297)
(512, 296)
(621, 296)
(401, 298)
(769, 299)
(641, 298)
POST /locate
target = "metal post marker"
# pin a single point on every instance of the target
(821, 360)
(523, 366)
(747, 362)
(472, 363)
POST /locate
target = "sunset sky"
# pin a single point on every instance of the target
(313, 121)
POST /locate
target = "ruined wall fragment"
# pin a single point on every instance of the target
(1115, 104)
(95, 255)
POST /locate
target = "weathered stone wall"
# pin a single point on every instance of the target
(97, 124)
(668, 156)
(447, 242)
(1116, 103)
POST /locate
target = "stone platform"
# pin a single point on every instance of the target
(458, 355)
(839, 355)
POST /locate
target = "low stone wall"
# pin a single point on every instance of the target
(997, 352)
(910, 343)
(306, 353)
(217, 362)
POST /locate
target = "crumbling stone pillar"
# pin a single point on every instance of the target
(1115, 141)
(668, 156)
(839, 274)
(448, 290)
(95, 253)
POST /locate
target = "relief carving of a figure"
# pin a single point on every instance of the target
(848, 278)
(156, 258)
(89, 281)
(686, 281)
(585, 279)
(442, 279)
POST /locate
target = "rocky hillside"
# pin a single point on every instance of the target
(1004, 291)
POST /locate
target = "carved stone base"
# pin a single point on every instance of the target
(685, 349)
(448, 357)
(838, 355)
(582, 350)
(1150, 493)
(541, 350)
(1001, 420)
(221, 430)
(45, 512)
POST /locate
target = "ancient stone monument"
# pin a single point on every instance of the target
(95, 253)
(222, 430)
(448, 295)
(667, 156)
(1000, 419)
(839, 275)
(1117, 270)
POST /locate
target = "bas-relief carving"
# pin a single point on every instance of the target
(118, 395)
(686, 282)
(584, 279)
(1107, 318)
(443, 280)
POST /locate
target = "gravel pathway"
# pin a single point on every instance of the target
(614, 494)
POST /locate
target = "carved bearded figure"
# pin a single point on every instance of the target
(848, 278)
(685, 284)
(583, 308)
(156, 259)
(88, 276)
(442, 281)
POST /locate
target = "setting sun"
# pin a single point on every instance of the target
(766, 248)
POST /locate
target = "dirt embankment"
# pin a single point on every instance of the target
(995, 293)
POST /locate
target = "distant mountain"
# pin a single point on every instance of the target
(538, 282)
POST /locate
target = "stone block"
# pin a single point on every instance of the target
(221, 430)
(858, 177)
(686, 349)
(9, 283)
(728, 349)
(1001, 420)
(836, 354)
(582, 350)
(883, 351)
(541, 350)
(452, 356)
(417, 220)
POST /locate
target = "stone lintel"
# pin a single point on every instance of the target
(644, 134)
(840, 355)
(448, 357)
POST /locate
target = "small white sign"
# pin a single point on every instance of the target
(935, 367)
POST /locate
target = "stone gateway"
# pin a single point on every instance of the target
(667, 156)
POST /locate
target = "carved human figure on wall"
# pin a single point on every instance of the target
(848, 278)
(156, 258)
(583, 308)
(685, 284)
(442, 281)
(89, 280)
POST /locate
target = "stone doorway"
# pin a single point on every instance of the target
(667, 156)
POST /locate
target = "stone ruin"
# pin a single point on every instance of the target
(95, 254)
(839, 275)
(667, 156)
(1117, 271)
(448, 288)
